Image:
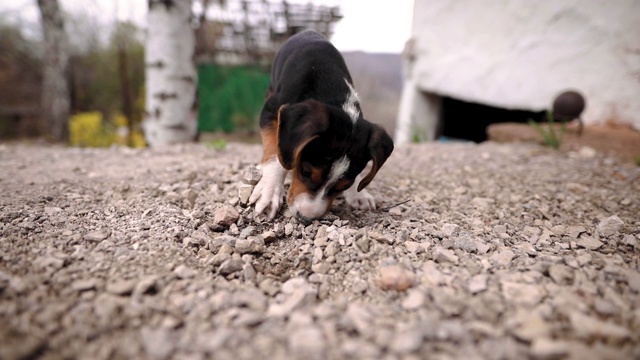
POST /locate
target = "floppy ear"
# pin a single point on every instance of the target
(298, 124)
(380, 147)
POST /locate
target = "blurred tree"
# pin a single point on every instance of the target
(95, 72)
(171, 76)
(20, 81)
(55, 86)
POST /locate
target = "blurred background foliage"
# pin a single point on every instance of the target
(95, 79)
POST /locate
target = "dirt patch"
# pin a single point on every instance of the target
(620, 141)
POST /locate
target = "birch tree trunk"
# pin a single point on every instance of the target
(56, 97)
(171, 79)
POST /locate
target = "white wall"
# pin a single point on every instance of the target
(519, 54)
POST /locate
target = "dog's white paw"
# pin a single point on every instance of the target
(359, 200)
(269, 191)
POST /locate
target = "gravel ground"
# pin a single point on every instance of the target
(500, 252)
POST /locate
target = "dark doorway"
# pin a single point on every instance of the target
(468, 121)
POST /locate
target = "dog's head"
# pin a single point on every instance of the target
(325, 150)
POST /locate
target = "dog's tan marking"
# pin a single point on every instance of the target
(269, 141)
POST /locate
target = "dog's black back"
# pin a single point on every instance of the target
(309, 66)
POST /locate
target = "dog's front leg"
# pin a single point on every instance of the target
(269, 191)
(359, 200)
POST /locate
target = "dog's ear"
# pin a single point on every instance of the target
(298, 125)
(380, 146)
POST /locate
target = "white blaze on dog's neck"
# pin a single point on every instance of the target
(350, 105)
(314, 207)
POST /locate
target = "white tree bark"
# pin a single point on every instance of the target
(56, 101)
(171, 78)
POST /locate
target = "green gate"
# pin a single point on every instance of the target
(230, 97)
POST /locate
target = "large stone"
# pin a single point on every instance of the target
(610, 226)
(252, 175)
(224, 217)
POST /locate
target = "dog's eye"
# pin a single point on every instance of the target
(305, 172)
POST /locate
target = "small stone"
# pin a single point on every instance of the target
(244, 192)
(589, 243)
(587, 152)
(51, 210)
(561, 274)
(363, 244)
(527, 248)
(268, 236)
(97, 235)
(586, 327)
(477, 283)
(502, 258)
(449, 230)
(219, 258)
(299, 294)
(307, 342)
(407, 341)
(545, 348)
(84, 285)
(251, 298)
(415, 247)
(610, 226)
(121, 287)
(605, 307)
(395, 277)
(575, 231)
(184, 272)
(321, 267)
(465, 243)
(288, 229)
(359, 286)
(231, 266)
(522, 294)
(630, 240)
(252, 244)
(530, 326)
(224, 217)
(157, 343)
(444, 255)
(249, 272)
(190, 197)
(633, 279)
(379, 237)
(482, 247)
(146, 286)
(252, 175)
(414, 300)
(269, 287)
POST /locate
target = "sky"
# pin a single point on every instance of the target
(367, 25)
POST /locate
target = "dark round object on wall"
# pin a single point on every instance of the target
(568, 106)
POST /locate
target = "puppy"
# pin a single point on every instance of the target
(311, 124)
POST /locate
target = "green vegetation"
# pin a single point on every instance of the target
(419, 135)
(637, 160)
(217, 144)
(551, 137)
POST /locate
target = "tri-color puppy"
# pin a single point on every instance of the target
(311, 124)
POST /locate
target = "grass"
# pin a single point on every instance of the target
(547, 131)
(217, 144)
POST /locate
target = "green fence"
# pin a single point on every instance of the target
(230, 98)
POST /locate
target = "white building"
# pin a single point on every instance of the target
(519, 54)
